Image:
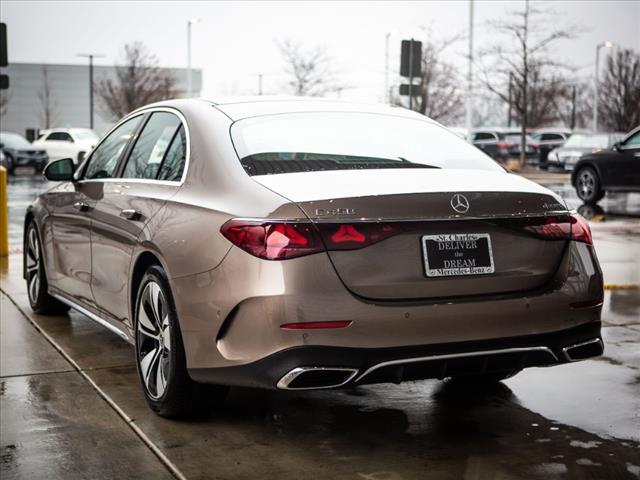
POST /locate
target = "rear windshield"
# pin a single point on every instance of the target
(310, 142)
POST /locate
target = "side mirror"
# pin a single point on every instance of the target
(617, 145)
(59, 170)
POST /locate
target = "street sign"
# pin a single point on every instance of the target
(415, 89)
(411, 58)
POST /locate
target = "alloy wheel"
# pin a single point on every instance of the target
(586, 184)
(154, 339)
(33, 265)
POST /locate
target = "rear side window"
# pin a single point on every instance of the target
(104, 158)
(173, 164)
(149, 151)
(60, 137)
(483, 136)
(308, 142)
(551, 136)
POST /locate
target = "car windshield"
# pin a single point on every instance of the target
(13, 140)
(308, 142)
(588, 141)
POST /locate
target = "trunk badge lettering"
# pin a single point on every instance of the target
(459, 203)
(335, 211)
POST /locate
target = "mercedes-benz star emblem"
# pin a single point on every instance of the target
(460, 203)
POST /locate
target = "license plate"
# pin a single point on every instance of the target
(457, 254)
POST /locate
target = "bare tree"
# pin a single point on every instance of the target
(48, 106)
(310, 70)
(522, 66)
(5, 98)
(439, 96)
(573, 106)
(619, 91)
(138, 81)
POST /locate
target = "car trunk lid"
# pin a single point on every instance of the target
(422, 211)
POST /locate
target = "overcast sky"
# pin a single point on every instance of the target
(236, 40)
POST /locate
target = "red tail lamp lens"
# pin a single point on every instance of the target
(553, 228)
(349, 236)
(273, 241)
(580, 230)
(282, 240)
(573, 227)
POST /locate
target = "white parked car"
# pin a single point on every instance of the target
(72, 143)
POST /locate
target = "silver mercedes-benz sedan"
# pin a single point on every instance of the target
(304, 244)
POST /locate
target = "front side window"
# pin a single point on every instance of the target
(153, 142)
(104, 159)
(306, 142)
(633, 141)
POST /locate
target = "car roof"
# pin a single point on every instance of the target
(240, 107)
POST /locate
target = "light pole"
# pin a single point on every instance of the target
(190, 22)
(469, 106)
(606, 44)
(90, 56)
(387, 93)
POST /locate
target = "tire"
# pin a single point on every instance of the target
(588, 185)
(10, 164)
(37, 286)
(160, 356)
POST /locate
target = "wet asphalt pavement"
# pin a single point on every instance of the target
(71, 406)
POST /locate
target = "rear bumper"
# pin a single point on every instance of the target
(341, 366)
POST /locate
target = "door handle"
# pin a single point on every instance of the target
(81, 206)
(130, 214)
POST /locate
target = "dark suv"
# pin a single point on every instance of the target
(503, 145)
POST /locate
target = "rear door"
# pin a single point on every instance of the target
(149, 176)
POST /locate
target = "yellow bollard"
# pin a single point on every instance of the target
(4, 214)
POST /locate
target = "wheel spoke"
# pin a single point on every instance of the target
(146, 325)
(161, 383)
(148, 367)
(34, 284)
(154, 291)
(33, 244)
(166, 334)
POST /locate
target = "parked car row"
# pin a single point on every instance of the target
(52, 144)
(553, 148)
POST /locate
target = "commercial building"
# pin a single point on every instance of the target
(24, 109)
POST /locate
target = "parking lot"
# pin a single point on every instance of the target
(72, 405)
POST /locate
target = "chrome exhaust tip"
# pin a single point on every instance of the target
(584, 350)
(314, 378)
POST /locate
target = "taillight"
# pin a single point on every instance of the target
(573, 227)
(282, 240)
(273, 240)
(552, 228)
(580, 230)
(349, 236)
(505, 145)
